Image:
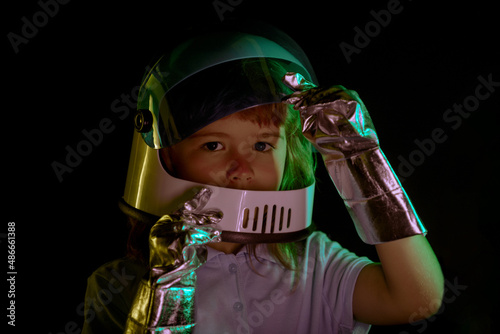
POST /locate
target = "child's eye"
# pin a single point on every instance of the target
(262, 146)
(213, 146)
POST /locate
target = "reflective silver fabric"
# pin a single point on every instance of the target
(165, 300)
(337, 123)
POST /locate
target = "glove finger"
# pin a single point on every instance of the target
(318, 96)
(296, 81)
(293, 99)
(208, 217)
(300, 85)
(312, 95)
(199, 200)
(202, 234)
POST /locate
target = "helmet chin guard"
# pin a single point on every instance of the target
(249, 216)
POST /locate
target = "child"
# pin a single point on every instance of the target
(213, 107)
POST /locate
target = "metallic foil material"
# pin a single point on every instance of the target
(164, 302)
(337, 123)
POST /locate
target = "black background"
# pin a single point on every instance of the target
(66, 77)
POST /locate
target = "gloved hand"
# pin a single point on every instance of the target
(337, 123)
(164, 302)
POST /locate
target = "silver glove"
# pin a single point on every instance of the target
(337, 123)
(164, 302)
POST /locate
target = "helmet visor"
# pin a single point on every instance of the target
(181, 95)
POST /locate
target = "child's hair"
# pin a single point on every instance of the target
(299, 172)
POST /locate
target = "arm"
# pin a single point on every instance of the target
(408, 284)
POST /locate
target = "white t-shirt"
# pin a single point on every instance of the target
(233, 298)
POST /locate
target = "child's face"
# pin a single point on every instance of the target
(231, 152)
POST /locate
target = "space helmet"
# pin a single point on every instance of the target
(202, 80)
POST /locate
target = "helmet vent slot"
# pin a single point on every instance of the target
(245, 218)
(273, 219)
(255, 219)
(264, 219)
(289, 218)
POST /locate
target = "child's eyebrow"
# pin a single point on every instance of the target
(270, 134)
(209, 134)
(265, 134)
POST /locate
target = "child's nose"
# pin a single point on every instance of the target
(240, 172)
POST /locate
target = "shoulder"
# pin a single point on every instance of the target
(327, 253)
(336, 270)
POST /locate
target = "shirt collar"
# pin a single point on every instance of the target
(261, 251)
